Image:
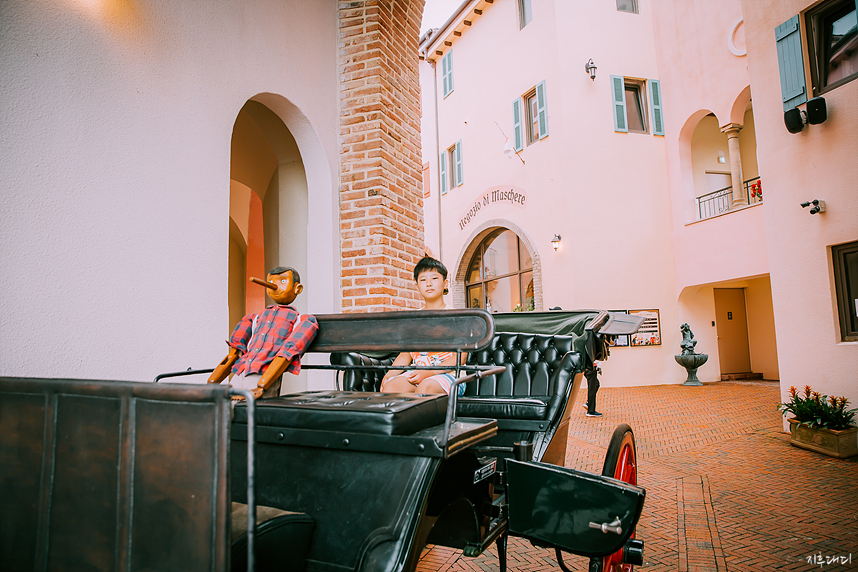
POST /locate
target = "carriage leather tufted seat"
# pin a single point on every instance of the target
(528, 400)
(360, 412)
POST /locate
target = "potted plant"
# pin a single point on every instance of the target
(821, 423)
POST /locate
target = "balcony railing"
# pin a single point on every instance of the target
(719, 202)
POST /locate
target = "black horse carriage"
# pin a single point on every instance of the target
(118, 475)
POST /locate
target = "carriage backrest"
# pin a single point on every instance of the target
(109, 475)
(424, 330)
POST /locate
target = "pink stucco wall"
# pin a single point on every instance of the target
(817, 163)
(700, 75)
(604, 192)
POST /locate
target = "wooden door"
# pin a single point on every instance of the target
(732, 328)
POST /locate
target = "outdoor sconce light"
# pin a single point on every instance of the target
(818, 206)
(555, 242)
(590, 68)
(795, 119)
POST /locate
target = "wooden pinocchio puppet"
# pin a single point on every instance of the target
(265, 345)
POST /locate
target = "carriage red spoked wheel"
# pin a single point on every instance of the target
(620, 463)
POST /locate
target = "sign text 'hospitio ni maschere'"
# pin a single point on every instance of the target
(499, 196)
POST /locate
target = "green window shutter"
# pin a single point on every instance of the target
(518, 136)
(442, 172)
(459, 169)
(791, 63)
(450, 71)
(444, 76)
(618, 88)
(447, 73)
(655, 100)
(542, 110)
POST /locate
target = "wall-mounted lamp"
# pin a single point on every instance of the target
(555, 242)
(721, 158)
(818, 206)
(590, 68)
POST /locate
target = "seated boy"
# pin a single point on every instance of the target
(431, 278)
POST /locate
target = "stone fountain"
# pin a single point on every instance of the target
(688, 359)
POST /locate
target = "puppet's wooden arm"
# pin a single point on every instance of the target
(274, 370)
(223, 368)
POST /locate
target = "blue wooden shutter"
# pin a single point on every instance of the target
(618, 89)
(442, 172)
(655, 101)
(542, 110)
(447, 73)
(458, 160)
(518, 139)
(791, 63)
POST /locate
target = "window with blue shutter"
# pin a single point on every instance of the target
(518, 133)
(442, 172)
(457, 157)
(542, 110)
(791, 63)
(618, 91)
(655, 101)
(447, 73)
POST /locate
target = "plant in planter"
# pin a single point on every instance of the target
(821, 423)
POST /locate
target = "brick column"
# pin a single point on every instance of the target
(381, 202)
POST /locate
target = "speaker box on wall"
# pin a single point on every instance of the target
(816, 111)
(793, 120)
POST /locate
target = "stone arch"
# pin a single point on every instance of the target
(686, 164)
(737, 112)
(279, 168)
(457, 285)
(317, 177)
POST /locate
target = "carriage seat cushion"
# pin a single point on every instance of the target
(531, 408)
(354, 411)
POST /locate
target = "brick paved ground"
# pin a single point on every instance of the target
(725, 489)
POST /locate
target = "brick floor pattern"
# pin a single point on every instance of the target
(725, 489)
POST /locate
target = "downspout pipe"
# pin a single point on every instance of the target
(438, 155)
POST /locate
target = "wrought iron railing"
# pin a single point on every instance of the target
(720, 201)
(754, 190)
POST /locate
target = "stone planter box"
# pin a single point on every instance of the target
(840, 444)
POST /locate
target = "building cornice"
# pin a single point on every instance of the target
(436, 44)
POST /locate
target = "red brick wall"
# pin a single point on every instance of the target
(381, 204)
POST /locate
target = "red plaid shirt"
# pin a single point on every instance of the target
(280, 332)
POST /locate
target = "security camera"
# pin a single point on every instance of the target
(818, 206)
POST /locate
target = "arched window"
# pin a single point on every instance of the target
(500, 275)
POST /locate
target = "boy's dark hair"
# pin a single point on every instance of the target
(296, 279)
(428, 263)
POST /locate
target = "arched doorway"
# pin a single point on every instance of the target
(268, 206)
(268, 212)
(499, 272)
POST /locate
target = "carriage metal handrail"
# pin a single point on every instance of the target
(188, 371)
(251, 474)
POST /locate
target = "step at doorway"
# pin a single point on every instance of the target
(745, 376)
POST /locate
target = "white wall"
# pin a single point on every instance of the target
(115, 134)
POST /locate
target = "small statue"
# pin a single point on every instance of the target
(265, 345)
(688, 358)
(688, 341)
